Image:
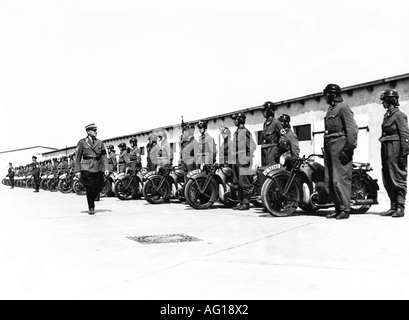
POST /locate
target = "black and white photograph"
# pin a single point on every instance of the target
(220, 152)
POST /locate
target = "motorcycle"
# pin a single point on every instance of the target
(128, 185)
(215, 183)
(164, 183)
(78, 187)
(44, 181)
(304, 187)
(65, 183)
(52, 183)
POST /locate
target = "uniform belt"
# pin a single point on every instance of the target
(334, 135)
(91, 158)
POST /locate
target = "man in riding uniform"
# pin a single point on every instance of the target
(123, 158)
(340, 141)
(135, 157)
(112, 162)
(243, 151)
(188, 148)
(165, 152)
(288, 143)
(394, 152)
(152, 152)
(206, 152)
(271, 135)
(226, 147)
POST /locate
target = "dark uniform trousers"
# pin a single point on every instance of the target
(243, 150)
(395, 145)
(341, 134)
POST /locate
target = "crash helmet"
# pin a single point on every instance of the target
(391, 96)
(162, 135)
(202, 124)
(332, 89)
(133, 141)
(153, 137)
(285, 118)
(111, 148)
(240, 117)
(122, 146)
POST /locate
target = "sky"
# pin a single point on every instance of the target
(130, 65)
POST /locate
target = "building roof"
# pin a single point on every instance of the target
(23, 149)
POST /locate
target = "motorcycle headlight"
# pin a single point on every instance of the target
(282, 160)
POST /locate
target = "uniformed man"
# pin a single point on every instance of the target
(188, 147)
(243, 151)
(288, 143)
(226, 147)
(11, 175)
(206, 152)
(394, 152)
(135, 157)
(271, 135)
(35, 174)
(123, 158)
(112, 161)
(340, 141)
(152, 152)
(91, 164)
(165, 152)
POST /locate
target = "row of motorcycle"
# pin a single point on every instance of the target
(281, 189)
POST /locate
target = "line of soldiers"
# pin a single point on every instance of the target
(340, 141)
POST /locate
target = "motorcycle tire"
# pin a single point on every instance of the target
(361, 190)
(64, 187)
(52, 185)
(273, 200)
(121, 192)
(78, 188)
(197, 200)
(156, 197)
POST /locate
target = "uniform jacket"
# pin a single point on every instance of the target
(289, 142)
(35, 168)
(243, 147)
(395, 128)
(340, 122)
(271, 132)
(226, 151)
(188, 149)
(11, 172)
(206, 152)
(153, 150)
(91, 156)
(165, 154)
(135, 158)
(112, 162)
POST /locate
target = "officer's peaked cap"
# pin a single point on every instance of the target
(91, 126)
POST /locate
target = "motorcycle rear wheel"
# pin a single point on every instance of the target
(121, 192)
(64, 187)
(361, 190)
(273, 199)
(79, 188)
(197, 199)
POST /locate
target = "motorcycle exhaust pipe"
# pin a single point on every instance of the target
(364, 202)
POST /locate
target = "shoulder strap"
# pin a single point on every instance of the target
(85, 140)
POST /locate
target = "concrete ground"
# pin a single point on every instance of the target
(50, 248)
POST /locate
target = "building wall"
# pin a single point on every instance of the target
(363, 99)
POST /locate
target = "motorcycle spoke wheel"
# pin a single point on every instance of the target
(154, 196)
(121, 190)
(275, 201)
(360, 191)
(197, 199)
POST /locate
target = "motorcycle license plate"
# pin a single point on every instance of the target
(271, 169)
(192, 173)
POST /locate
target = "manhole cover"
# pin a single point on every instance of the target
(164, 238)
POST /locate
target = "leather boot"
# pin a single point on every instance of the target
(343, 215)
(332, 215)
(390, 212)
(400, 212)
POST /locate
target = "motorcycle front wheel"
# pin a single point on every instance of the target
(197, 199)
(79, 188)
(273, 198)
(154, 196)
(121, 190)
(361, 190)
(52, 185)
(64, 186)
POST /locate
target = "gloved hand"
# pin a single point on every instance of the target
(346, 157)
(106, 173)
(78, 175)
(403, 162)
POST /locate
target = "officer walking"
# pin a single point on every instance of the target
(340, 141)
(11, 175)
(394, 152)
(206, 153)
(36, 174)
(243, 151)
(271, 135)
(91, 164)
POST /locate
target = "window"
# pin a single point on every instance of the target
(303, 132)
(142, 151)
(259, 138)
(173, 147)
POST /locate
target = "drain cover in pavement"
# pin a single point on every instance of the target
(164, 238)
